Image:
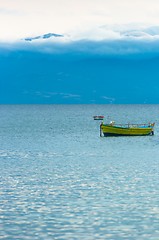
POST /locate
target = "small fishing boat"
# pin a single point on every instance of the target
(98, 117)
(113, 129)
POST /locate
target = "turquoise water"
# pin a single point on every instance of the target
(60, 180)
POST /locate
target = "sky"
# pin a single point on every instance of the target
(104, 47)
(21, 18)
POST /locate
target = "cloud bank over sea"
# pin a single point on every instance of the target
(121, 67)
(116, 40)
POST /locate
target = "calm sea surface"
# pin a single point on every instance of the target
(60, 180)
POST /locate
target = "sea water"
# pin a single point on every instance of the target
(60, 180)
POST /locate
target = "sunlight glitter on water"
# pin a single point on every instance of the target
(74, 184)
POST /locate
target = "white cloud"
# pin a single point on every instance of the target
(6, 11)
(109, 99)
(118, 31)
(53, 94)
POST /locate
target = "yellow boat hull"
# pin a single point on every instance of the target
(109, 130)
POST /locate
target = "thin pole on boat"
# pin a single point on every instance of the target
(152, 132)
(101, 130)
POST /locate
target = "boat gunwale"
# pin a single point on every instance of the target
(129, 126)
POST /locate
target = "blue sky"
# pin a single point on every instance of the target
(108, 51)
